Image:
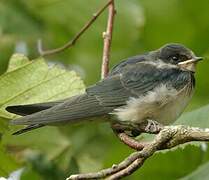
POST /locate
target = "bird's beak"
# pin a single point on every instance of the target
(190, 64)
(190, 61)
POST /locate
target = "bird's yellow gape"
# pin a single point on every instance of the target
(190, 64)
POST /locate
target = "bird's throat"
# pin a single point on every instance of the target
(189, 67)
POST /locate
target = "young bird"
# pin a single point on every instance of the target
(154, 87)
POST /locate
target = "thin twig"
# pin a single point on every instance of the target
(107, 40)
(77, 36)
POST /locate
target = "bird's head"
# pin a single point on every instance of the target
(178, 55)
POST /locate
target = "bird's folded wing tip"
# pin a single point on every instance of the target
(11, 109)
(8, 108)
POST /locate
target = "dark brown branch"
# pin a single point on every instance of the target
(77, 36)
(169, 136)
(131, 142)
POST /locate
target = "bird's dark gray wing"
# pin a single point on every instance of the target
(136, 80)
(127, 62)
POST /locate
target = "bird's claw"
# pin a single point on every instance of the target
(153, 127)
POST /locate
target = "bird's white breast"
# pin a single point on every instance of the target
(163, 104)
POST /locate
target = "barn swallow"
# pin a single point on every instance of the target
(155, 87)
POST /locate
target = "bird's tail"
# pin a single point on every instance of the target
(71, 110)
(24, 110)
(28, 128)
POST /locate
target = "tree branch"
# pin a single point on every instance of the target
(169, 136)
(77, 36)
(131, 142)
(107, 35)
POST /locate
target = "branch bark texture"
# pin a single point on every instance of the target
(168, 137)
(107, 35)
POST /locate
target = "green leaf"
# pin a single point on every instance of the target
(200, 174)
(3, 125)
(52, 142)
(16, 61)
(196, 118)
(33, 81)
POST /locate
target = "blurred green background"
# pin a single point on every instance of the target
(140, 26)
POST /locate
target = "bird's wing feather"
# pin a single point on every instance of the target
(27, 109)
(117, 69)
(28, 128)
(136, 80)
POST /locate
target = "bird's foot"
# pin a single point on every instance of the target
(134, 130)
(153, 127)
(131, 131)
